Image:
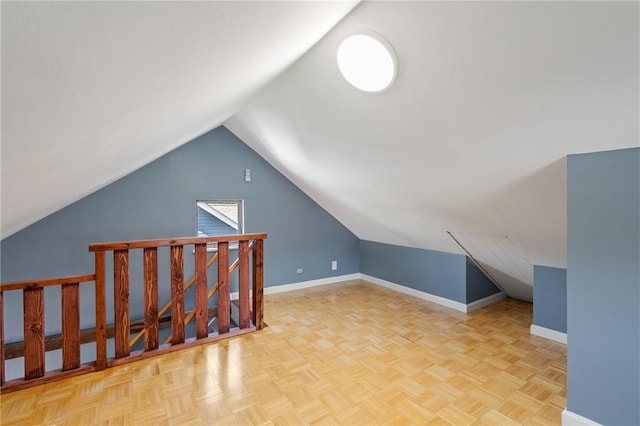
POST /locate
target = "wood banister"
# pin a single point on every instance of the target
(71, 337)
(22, 285)
(168, 242)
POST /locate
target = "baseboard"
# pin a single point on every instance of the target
(304, 284)
(485, 301)
(572, 419)
(548, 333)
(416, 293)
(458, 306)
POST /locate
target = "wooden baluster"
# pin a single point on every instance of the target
(223, 287)
(1, 340)
(177, 294)
(101, 312)
(70, 326)
(121, 301)
(202, 310)
(151, 325)
(33, 332)
(258, 285)
(243, 284)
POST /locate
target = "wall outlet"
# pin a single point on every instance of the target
(299, 270)
(334, 265)
(247, 175)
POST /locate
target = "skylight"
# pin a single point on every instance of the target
(367, 61)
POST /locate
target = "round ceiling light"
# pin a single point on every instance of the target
(367, 61)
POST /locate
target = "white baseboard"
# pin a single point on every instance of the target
(416, 293)
(304, 284)
(458, 306)
(485, 301)
(312, 283)
(548, 333)
(570, 418)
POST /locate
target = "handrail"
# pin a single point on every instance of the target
(30, 284)
(171, 242)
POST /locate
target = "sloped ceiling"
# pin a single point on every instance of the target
(489, 99)
(91, 91)
(471, 138)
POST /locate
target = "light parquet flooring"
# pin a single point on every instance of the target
(351, 353)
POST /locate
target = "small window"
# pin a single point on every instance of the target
(219, 217)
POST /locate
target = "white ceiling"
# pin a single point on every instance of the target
(91, 91)
(489, 99)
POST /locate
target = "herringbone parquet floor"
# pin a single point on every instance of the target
(350, 353)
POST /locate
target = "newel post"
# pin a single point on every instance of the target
(258, 285)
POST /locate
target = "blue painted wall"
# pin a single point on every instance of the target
(159, 201)
(478, 285)
(603, 286)
(442, 274)
(550, 297)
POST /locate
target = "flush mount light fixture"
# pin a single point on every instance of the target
(367, 61)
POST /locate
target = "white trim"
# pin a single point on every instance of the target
(548, 333)
(312, 283)
(485, 301)
(416, 293)
(570, 418)
(304, 284)
(458, 306)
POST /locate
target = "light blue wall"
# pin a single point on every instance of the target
(603, 286)
(435, 272)
(550, 297)
(159, 201)
(478, 285)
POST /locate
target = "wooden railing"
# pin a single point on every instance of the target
(34, 338)
(250, 281)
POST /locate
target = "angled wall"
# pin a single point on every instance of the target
(449, 277)
(158, 201)
(603, 286)
(478, 285)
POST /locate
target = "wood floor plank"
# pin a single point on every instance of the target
(348, 353)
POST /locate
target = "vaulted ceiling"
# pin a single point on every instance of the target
(471, 138)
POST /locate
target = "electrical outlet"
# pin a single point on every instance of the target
(299, 270)
(334, 265)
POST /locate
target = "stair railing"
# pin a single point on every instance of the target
(34, 330)
(250, 280)
(177, 339)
